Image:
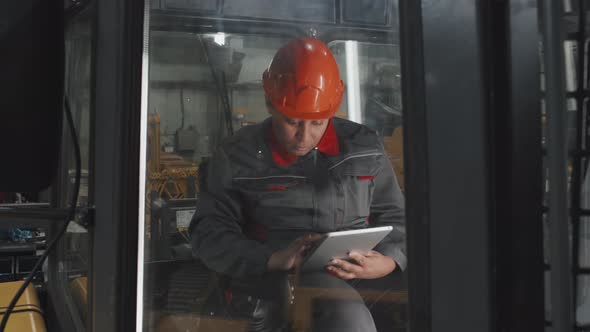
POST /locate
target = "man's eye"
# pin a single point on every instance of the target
(292, 122)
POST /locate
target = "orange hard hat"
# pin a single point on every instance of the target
(303, 81)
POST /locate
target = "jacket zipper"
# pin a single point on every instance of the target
(354, 157)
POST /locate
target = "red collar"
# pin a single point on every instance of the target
(328, 145)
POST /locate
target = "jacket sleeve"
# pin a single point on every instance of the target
(216, 228)
(387, 209)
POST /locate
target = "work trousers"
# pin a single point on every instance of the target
(264, 304)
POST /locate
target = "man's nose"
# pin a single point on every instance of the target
(303, 132)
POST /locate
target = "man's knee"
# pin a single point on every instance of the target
(341, 315)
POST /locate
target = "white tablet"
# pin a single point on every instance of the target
(339, 244)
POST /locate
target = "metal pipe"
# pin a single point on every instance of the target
(561, 304)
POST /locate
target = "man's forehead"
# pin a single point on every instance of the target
(277, 114)
(298, 120)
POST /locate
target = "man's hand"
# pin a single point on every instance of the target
(370, 266)
(286, 259)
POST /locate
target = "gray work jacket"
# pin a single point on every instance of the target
(253, 207)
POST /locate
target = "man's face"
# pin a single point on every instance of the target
(297, 137)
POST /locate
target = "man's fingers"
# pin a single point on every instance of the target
(297, 242)
(373, 253)
(359, 258)
(310, 238)
(339, 273)
(346, 266)
(296, 247)
(304, 240)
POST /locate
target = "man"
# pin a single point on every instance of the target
(272, 187)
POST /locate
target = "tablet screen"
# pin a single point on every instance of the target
(339, 244)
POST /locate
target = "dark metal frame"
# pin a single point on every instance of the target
(186, 15)
(458, 167)
(167, 22)
(558, 216)
(447, 220)
(511, 44)
(416, 165)
(178, 20)
(473, 165)
(579, 161)
(119, 49)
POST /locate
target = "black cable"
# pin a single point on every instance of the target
(227, 106)
(181, 109)
(71, 213)
(221, 88)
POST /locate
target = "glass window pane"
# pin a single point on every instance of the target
(372, 77)
(242, 165)
(73, 251)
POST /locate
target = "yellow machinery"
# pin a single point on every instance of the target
(27, 315)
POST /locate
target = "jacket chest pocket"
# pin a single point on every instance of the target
(356, 185)
(277, 203)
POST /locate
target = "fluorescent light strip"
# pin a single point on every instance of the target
(142, 166)
(353, 89)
